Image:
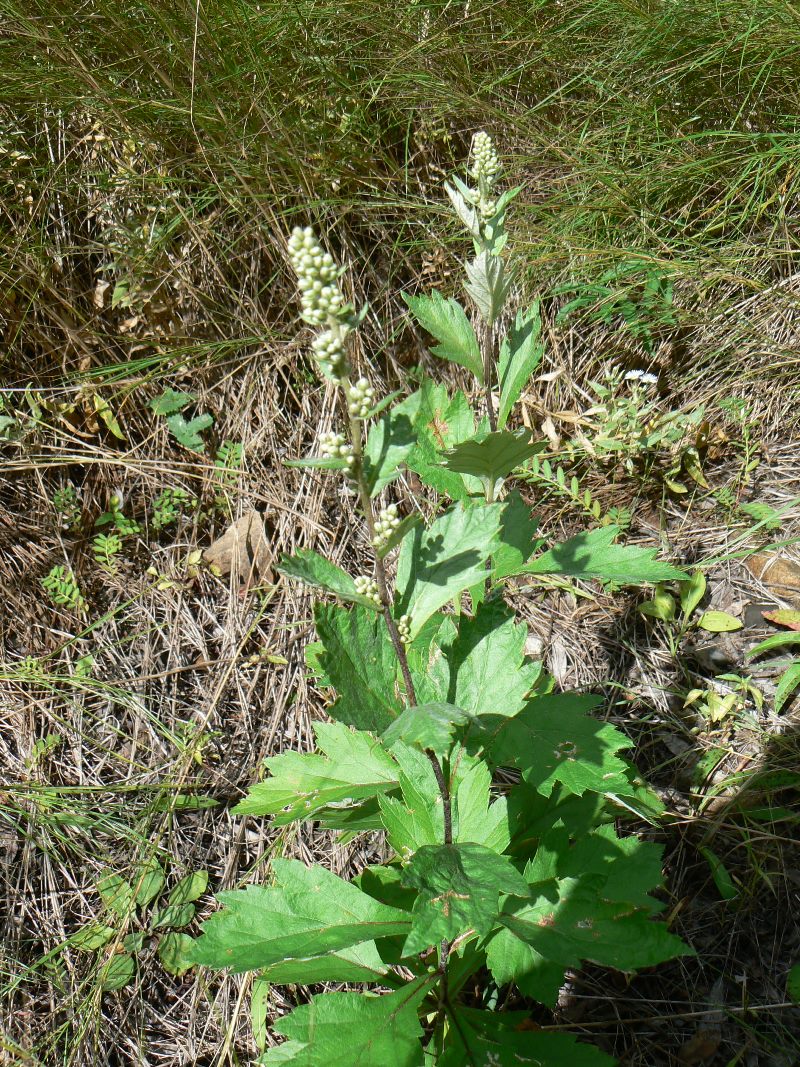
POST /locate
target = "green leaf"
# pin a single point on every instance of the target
(775, 641)
(488, 285)
(692, 592)
(389, 443)
(718, 622)
(353, 1030)
(92, 937)
(149, 884)
(437, 564)
(117, 895)
(448, 323)
(570, 922)
(593, 555)
(360, 963)
(313, 569)
(483, 668)
(442, 422)
(430, 726)
(492, 458)
(520, 355)
(175, 952)
(662, 606)
(417, 819)
(259, 1011)
(188, 433)
(494, 1039)
(359, 661)
(793, 984)
(191, 887)
(174, 916)
(170, 401)
(719, 872)
(134, 942)
(458, 888)
(463, 207)
(518, 539)
(308, 912)
(117, 972)
(511, 960)
(789, 681)
(353, 768)
(476, 818)
(554, 740)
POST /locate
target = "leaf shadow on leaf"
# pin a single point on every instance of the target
(398, 433)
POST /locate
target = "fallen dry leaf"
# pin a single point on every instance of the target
(780, 575)
(243, 551)
(789, 619)
(701, 1047)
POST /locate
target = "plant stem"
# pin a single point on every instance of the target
(383, 588)
(488, 374)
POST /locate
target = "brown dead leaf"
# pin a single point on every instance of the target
(701, 1047)
(789, 619)
(780, 575)
(243, 551)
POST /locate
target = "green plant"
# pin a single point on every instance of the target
(65, 501)
(628, 427)
(790, 679)
(61, 586)
(106, 547)
(186, 432)
(635, 292)
(168, 507)
(123, 526)
(492, 883)
(134, 922)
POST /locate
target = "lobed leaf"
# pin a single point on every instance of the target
(520, 355)
(448, 323)
(313, 569)
(593, 555)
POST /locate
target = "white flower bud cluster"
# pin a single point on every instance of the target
(385, 525)
(316, 277)
(335, 445)
(404, 628)
(368, 587)
(485, 162)
(330, 354)
(360, 398)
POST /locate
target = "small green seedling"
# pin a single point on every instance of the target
(135, 923)
(61, 586)
(186, 432)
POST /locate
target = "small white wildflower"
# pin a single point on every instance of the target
(317, 277)
(641, 376)
(335, 445)
(385, 525)
(368, 587)
(330, 354)
(485, 162)
(360, 398)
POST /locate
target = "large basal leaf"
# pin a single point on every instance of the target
(353, 1030)
(389, 443)
(491, 459)
(438, 564)
(429, 726)
(488, 285)
(593, 555)
(308, 912)
(313, 569)
(448, 323)
(350, 766)
(493, 1039)
(520, 355)
(458, 888)
(358, 659)
(555, 740)
(569, 923)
